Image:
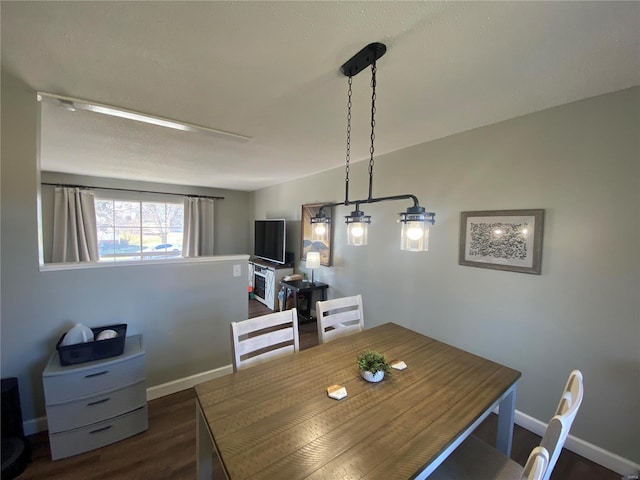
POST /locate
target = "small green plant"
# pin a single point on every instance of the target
(373, 362)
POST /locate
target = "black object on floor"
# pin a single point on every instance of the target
(16, 450)
(15, 456)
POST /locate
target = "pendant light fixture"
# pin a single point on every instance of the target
(415, 221)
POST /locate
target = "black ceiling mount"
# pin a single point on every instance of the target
(363, 59)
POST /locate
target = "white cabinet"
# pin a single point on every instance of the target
(93, 404)
(266, 282)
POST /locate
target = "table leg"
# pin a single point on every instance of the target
(506, 414)
(204, 447)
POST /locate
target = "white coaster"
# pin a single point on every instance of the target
(336, 391)
(399, 365)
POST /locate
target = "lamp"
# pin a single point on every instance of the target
(415, 231)
(313, 262)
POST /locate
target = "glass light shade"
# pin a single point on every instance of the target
(320, 224)
(319, 232)
(415, 236)
(313, 259)
(357, 233)
(415, 229)
(357, 227)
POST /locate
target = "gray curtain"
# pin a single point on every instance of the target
(198, 227)
(75, 235)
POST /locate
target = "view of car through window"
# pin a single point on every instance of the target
(163, 250)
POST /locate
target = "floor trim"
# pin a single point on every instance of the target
(588, 450)
(187, 382)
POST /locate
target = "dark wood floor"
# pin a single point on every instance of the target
(167, 449)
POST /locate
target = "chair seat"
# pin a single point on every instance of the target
(476, 459)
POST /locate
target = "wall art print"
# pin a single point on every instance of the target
(502, 240)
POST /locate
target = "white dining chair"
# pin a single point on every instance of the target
(264, 338)
(338, 317)
(536, 465)
(556, 433)
(476, 459)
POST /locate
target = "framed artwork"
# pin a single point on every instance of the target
(314, 241)
(502, 240)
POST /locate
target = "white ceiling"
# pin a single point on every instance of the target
(270, 70)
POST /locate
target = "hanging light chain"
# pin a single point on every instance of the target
(373, 115)
(414, 221)
(346, 180)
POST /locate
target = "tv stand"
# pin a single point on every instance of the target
(265, 277)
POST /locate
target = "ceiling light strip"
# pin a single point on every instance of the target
(71, 104)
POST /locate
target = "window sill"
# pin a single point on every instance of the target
(53, 267)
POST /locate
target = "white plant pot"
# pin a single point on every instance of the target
(372, 377)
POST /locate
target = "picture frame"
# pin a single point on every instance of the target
(315, 243)
(502, 240)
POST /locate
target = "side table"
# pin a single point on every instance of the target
(306, 288)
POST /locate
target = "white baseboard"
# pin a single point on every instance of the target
(589, 451)
(35, 425)
(187, 382)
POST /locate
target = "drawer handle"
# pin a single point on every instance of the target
(96, 374)
(98, 401)
(101, 429)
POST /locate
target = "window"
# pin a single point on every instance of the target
(138, 230)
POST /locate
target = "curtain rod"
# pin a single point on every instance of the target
(131, 190)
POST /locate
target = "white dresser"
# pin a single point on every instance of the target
(93, 404)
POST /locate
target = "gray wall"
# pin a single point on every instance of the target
(581, 163)
(182, 309)
(232, 214)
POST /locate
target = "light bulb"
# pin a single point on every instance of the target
(320, 229)
(414, 233)
(357, 231)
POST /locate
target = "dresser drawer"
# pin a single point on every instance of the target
(82, 382)
(81, 412)
(96, 435)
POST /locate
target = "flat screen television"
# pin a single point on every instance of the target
(269, 240)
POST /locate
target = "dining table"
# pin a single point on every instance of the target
(276, 420)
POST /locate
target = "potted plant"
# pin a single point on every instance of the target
(373, 365)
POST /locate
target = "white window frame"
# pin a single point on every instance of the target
(139, 198)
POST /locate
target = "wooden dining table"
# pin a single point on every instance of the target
(276, 421)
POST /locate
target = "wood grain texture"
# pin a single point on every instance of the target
(276, 420)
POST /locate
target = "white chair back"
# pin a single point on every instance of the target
(264, 338)
(558, 429)
(536, 465)
(338, 317)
